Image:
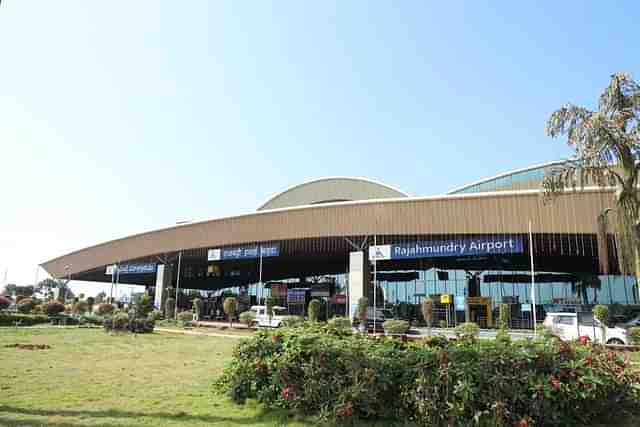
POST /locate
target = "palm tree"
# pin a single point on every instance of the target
(607, 151)
(585, 282)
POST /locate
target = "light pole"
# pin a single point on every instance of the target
(67, 269)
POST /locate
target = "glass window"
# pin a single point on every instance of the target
(565, 320)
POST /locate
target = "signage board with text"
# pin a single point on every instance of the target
(447, 248)
(243, 252)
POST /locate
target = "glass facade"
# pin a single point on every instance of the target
(613, 289)
(524, 179)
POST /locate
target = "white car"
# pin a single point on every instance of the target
(566, 327)
(263, 319)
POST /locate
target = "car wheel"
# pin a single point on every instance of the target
(616, 341)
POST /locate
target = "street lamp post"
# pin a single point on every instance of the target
(67, 269)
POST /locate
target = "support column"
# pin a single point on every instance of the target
(167, 283)
(359, 280)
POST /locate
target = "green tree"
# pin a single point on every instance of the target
(606, 144)
(230, 305)
(46, 287)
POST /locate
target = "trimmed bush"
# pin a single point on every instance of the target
(170, 308)
(91, 319)
(155, 315)
(10, 319)
(427, 311)
(396, 326)
(467, 331)
(504, 316)
(486, 383)
(198, 308)
(105, 309)
(4, 303)
(314, 310)
(53, 308)
(80, 307)
(121, 321)
(26, 305)
(248, 317)
(230, 306)
(185, 317)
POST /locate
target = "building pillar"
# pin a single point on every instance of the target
(359, 280)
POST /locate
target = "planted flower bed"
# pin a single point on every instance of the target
(433, 382)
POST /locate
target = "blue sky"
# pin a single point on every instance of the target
(118, 117)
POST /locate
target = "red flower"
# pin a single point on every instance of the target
(346, 410)
(588, 360)
(523, 423)
(555, 383)
(287, 393)
(583, 339)
(276, 338)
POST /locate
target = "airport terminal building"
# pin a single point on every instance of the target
(320, 239)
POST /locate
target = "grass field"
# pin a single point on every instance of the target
(90, 378)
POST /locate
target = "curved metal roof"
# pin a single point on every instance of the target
(498, 212)
(331, 189)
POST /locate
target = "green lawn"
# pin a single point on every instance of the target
(90, 378)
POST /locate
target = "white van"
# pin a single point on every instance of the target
(565, 326)
(262, 319)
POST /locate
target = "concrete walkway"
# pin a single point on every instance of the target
(198, 333)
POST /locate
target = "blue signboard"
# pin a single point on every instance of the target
(136, 268)
(296, 296)
(448, 248)
(243, 252)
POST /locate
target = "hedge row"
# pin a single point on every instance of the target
(10, 319)
(432, 383)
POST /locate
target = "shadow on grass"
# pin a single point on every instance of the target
(132, 418)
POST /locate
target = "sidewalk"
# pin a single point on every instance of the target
(198, 333)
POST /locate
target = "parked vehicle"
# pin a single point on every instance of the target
(379, 315)
(264, 320)
(635, 322)
(566, 327)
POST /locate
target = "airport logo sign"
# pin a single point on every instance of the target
(243, 252)
(447, 248)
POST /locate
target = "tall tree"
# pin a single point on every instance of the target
(607, 151)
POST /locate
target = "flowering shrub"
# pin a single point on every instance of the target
(338, 378)
(4, 302)
(292, 320)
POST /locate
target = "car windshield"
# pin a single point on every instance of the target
(279, 311)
